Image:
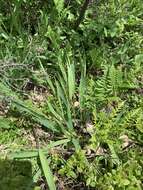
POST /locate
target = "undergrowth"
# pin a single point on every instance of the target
(71, 94)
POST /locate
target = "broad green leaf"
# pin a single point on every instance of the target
(34, 153)
(23, 154)
(47, 171)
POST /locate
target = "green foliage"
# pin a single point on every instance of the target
(82, 87)
(109, 166)
(59, 5)
(47, 172)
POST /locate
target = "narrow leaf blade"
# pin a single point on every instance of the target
(47, 171)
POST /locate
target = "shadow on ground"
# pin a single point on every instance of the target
(15, 175)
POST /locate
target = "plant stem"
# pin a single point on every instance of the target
(82, 13)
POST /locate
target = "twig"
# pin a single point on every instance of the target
(13, 65)
(36, 137)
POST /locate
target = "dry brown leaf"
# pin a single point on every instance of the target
(126, 141)
(100, 151)
(89, 127)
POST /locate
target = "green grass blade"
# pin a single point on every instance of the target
(60, 97)
(48, 80)
(34, 153)
(63, 71)
(47, 171)
(69, 114)
(63, 85)
(52, 110)
(36, 115)
(57, 143)
(71, 80)
(82, 86)
(23, 154)
(23, 107)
